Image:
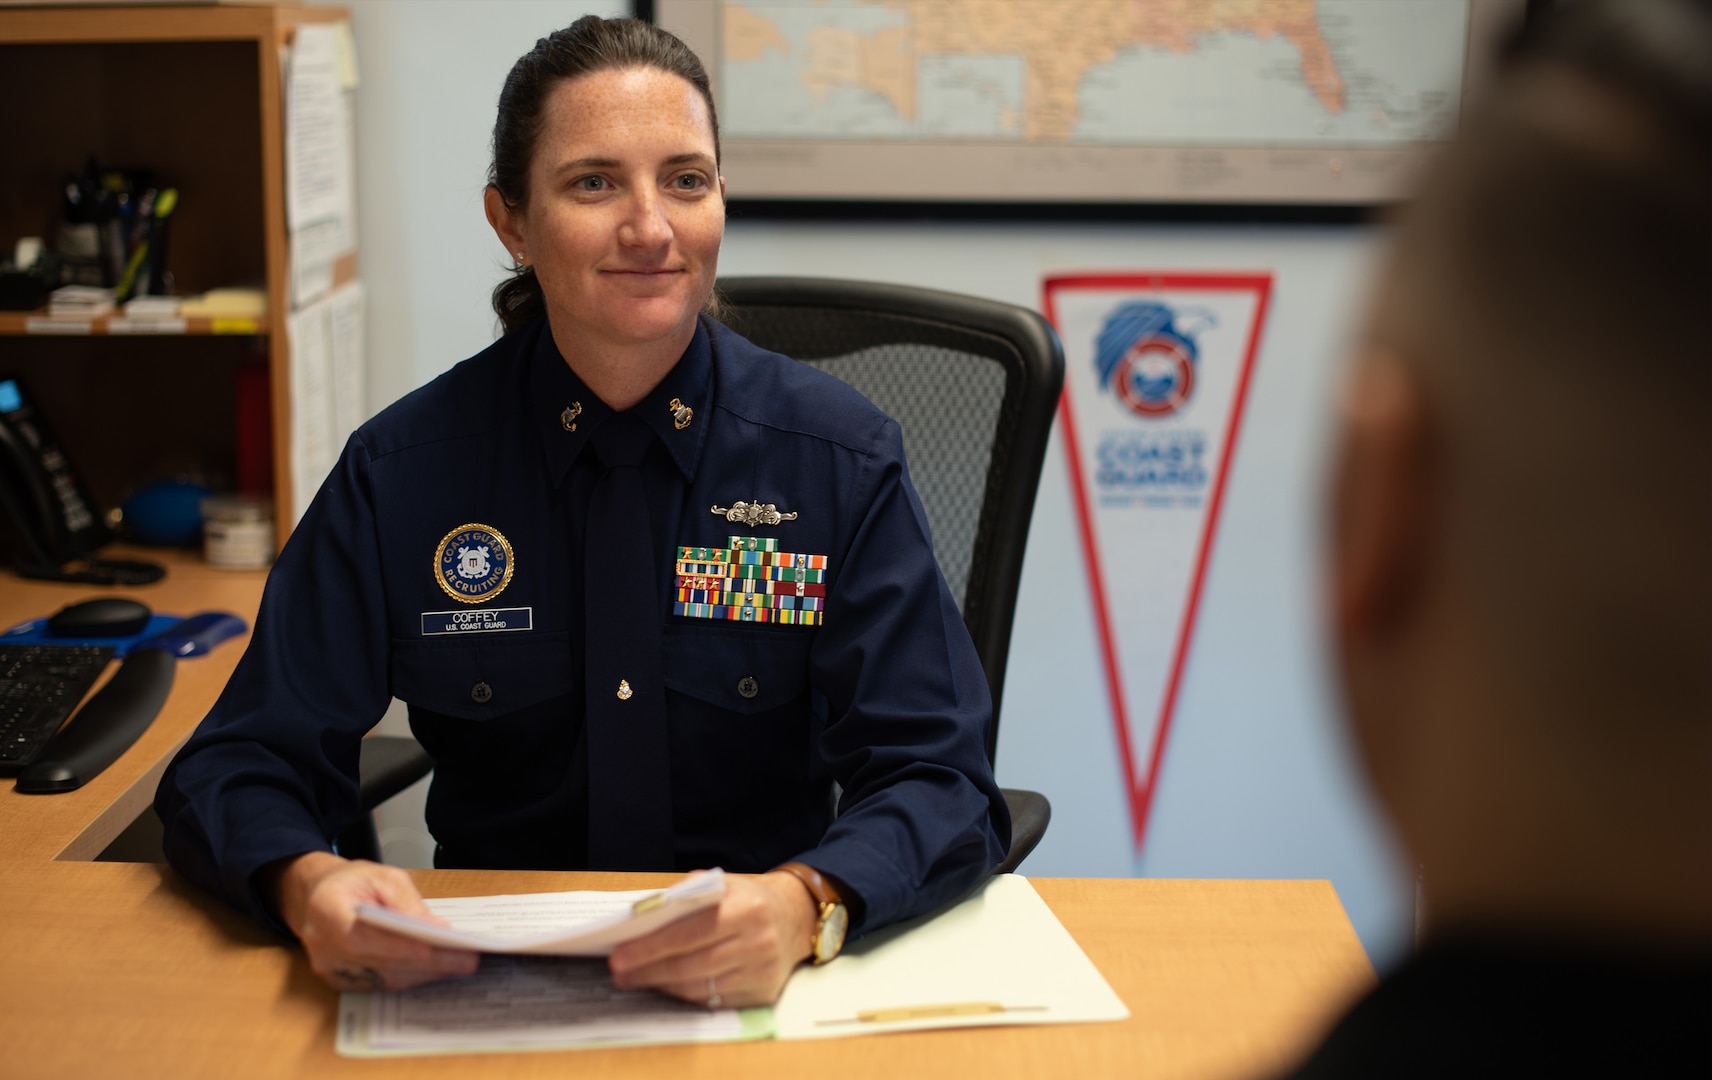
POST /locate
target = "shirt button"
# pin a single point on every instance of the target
(481, 693)
(748, 687)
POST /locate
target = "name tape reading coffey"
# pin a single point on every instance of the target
(477, 620)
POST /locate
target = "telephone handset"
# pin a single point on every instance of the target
(53, 520)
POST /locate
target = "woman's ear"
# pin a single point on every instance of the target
(507, 225)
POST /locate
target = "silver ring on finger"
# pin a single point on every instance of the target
(366, 978)
(713, 1000)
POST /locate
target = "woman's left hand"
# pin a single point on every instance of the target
(740, 953)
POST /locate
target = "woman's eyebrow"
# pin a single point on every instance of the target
(588, 163)
(614, 163)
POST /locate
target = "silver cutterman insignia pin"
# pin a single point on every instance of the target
(754, 513)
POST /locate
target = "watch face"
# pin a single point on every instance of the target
(831, 936)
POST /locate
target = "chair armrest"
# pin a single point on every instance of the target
(388, 765)
(1030, 814)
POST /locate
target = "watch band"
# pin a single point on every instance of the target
(814, 881)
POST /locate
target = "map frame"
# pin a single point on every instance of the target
(845, 177)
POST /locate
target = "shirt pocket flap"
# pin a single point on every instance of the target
(741, 671)
(481, 680)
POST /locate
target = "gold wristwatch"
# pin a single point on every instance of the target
(832, 920)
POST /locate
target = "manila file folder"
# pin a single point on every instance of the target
(1000, 957)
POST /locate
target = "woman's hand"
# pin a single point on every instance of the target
(737, 954)
(317, 896)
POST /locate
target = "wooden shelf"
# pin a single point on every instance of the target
(192, 92)
(37, 323)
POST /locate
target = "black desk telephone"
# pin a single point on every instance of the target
(53, 520)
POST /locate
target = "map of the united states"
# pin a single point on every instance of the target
(1046, 71)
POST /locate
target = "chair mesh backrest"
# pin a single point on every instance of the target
(947, 403)
(973, 384)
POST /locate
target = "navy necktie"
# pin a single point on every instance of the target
(630, 774)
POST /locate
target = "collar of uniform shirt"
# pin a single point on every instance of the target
(554, 387)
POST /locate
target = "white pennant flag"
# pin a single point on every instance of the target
(1158, 369)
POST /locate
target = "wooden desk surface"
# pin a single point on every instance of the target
(124, 969)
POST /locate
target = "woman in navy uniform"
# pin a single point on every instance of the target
(648, 590)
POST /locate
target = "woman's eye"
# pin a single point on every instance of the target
(592, 183)
(687, 182)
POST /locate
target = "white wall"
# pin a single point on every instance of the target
(431, 74)
(1257, 781)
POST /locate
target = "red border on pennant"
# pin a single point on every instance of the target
(1140, 789)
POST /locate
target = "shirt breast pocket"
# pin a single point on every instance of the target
(478, 703)
(739, 710)
(747, 672)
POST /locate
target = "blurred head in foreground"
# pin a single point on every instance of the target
(1522, 529)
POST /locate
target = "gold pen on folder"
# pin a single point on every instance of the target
(930, 1012)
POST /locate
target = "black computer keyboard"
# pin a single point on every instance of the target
(39, 687)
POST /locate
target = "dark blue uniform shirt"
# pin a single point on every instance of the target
(886, 697)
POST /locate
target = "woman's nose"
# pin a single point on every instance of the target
(646, 225)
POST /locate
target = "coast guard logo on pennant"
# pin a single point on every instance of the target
(1146, 359)
(473, 563)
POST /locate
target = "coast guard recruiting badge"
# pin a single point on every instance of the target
(473, 563)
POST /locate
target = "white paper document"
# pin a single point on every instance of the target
(315, 250)
(526, 1002)
(553, 924)
(317, 176)
(318, 156)
(347, 310)
(315, 443)
(327, 366)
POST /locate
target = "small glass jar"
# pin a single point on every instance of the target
(237, 532)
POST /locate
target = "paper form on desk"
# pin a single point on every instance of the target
(553, 924)
(539, 1002)
(999, 957)
(531, 1003)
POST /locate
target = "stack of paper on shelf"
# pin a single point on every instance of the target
(226, 304)
(148, 315)
(152, 307)
(79, 302)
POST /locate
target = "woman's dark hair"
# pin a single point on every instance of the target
(588, 45)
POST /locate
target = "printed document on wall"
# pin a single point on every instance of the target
(346, 316)
(313, 451)
(326, 340)
(318, 173)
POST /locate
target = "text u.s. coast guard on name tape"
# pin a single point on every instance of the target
(477, 620)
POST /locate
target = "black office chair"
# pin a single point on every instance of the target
(387, 765)
(974, 385)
